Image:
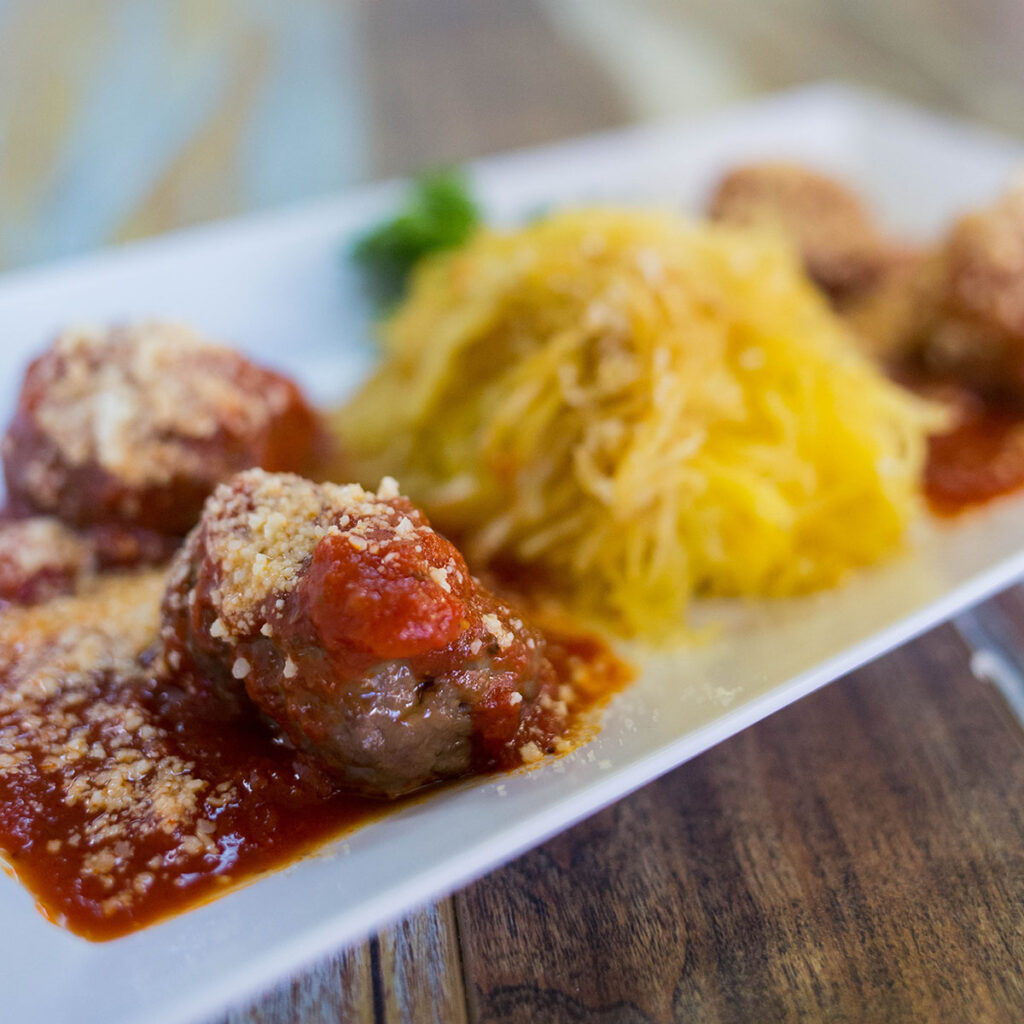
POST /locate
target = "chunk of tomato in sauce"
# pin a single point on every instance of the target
(401, 606)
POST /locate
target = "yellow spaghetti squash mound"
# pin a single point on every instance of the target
(641, 408)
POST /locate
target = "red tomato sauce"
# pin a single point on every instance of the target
(128, 793)
(981, 458)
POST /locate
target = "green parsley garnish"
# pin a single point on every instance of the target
(440, 214)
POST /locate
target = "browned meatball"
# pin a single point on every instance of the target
(359, 630)
(135, 426)
(977, 332)
(40, 558)
(842, 249)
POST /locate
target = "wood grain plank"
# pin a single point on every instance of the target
(672, 58)
(451, 79)
(996, 630)
(859, 856)
(338, 991)
(1010, 604)
(421, 969)
(410, 973)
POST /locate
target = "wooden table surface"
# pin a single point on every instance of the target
(856, 857)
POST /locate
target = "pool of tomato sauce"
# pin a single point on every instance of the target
(284, 809)
(980, 456)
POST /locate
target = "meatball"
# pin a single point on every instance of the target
(977, 332)
(135, 426)
(842, 249)
(40, 558)
(360, 632)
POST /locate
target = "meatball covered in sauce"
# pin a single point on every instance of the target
(360, 632)
(135, 426)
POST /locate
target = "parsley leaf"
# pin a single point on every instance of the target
(439, 214)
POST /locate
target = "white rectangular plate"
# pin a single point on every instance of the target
(279, 286)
